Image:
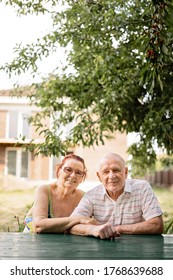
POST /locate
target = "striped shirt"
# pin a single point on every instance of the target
(136, 204)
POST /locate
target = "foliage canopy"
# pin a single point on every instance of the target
(121, 53)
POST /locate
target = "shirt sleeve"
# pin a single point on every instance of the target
(85, 207)
(149, 202)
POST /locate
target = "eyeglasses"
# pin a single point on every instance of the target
(70, 170)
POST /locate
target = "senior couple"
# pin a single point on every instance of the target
(117, 206)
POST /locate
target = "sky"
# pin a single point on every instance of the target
(22, 29)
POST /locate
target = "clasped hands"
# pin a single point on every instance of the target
(104, 231)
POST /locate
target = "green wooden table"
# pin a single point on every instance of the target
(22, 246)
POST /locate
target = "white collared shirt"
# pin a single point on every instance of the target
(137, 203)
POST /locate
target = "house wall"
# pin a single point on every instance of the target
(2, 123)
(39, 167)
(2, 159)
(93, 155)
(36, 134)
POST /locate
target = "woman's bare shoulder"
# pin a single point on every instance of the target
(42, 188)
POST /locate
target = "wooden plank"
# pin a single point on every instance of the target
(70, 247)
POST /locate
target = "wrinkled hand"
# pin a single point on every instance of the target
(118, 229)
(88, 221)
(105, 231)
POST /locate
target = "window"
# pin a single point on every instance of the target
(62, 130)
(24, 164)
(25, 125)
(13, 124)
(18, 125)
(11, 162)
(17, 162)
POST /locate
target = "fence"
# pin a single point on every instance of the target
(163, 178)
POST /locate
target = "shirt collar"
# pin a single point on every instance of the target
(128, 187)
(103, 191)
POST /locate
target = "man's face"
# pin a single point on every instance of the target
(112, 173)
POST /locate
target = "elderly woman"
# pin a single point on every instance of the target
(55, 202)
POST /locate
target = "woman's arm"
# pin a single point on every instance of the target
(43, 224)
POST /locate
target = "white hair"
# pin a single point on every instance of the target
(108, 156)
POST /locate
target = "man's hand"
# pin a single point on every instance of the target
(105, 231)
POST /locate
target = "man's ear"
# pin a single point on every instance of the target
(126, 171)
(98, 175)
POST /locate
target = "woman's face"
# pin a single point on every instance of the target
(71, 173)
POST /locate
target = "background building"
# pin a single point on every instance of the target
(22, 164)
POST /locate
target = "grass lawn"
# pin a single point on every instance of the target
(16, 202)
(165, 197)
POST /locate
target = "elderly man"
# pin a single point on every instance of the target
(119, 205)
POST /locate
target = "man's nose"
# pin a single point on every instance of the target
(111, 174)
